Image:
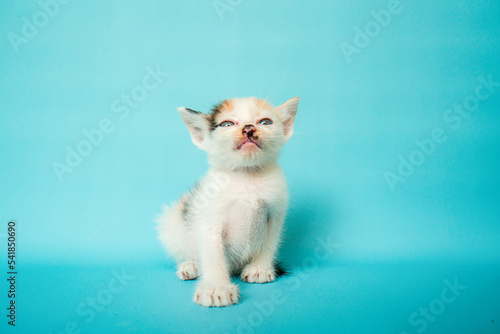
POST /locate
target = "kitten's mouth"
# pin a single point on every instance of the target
(248, 143)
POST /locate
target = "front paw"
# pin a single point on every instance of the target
(187, 271)
(216, 295)
(258, 274)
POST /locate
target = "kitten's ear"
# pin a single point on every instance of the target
(197, 124)
(287, 111)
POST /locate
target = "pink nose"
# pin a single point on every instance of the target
(248, 130)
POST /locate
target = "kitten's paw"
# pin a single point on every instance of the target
(218, 296)
(187, 271)
(258, 274)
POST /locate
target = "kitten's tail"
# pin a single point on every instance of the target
(280, 270)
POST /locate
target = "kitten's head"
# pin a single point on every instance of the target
(242, 133)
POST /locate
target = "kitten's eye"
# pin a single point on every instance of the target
(225, 124)
(266, 121)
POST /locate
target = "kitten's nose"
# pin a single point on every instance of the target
(248, 130)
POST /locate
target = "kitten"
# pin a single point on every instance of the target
(231, 221)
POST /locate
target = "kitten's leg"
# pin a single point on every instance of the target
(215, 287)
(261, 268)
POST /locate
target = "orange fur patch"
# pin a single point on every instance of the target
(227, 105)
(262, 104)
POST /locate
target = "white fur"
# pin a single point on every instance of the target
(235, 214)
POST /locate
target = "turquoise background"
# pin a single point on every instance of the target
(359, 115)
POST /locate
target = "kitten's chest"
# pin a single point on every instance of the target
(245, 226)
(247, 205)
(247, 190)
(247, 210)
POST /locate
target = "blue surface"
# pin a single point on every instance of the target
(401, 233)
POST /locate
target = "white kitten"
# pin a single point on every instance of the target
(231, 221)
